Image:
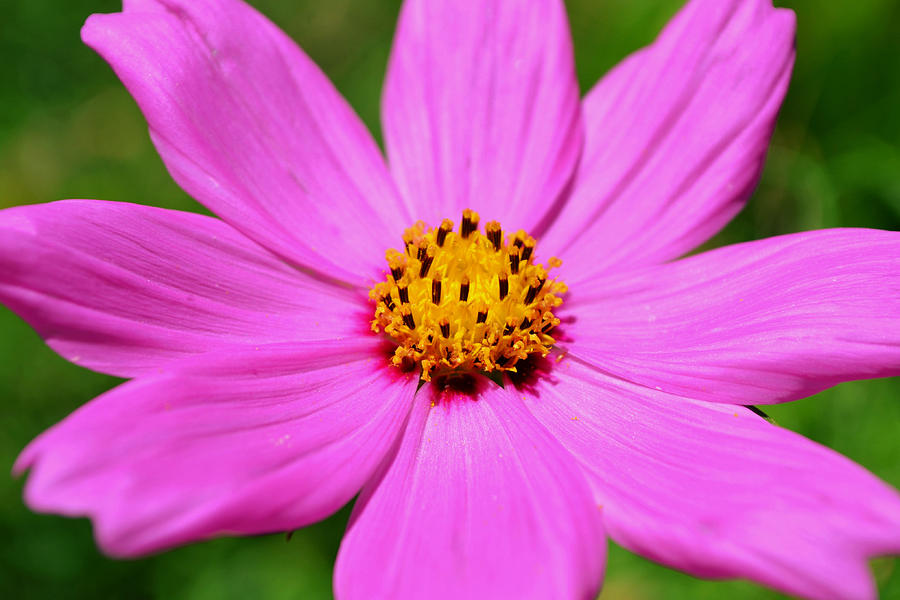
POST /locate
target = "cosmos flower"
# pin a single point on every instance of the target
(498, 412)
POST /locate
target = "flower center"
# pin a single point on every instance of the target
(467, 301)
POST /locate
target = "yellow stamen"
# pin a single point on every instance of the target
(466, 302)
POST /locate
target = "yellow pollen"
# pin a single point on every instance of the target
(466, 301)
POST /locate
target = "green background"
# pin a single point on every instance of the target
(69, 130)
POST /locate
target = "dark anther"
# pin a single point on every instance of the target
(426, 262)
(426, 265)
(547, 327)
(533, 289)
(469, 223)
(513, 261)
(504, 286)
(408, 319)
(464, 290)
(388, 301)
(445, 228)
(397, 272)
(482, 316)
(420, 253)
(436, 291)
(518, 242)
(526, 323)
(403, 292)
(445, 328)
(510, 327)
(494, 234)
(527, 250)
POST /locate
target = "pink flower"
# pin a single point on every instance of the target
(262, 400)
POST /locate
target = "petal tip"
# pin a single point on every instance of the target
(27, 458)
(97, 30)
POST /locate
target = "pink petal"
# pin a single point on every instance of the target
(756, 323)
(249, 126)
(676, 137)
(125, 289)
(481, 108)
(478, 502)
(252, 441)
(716, 490)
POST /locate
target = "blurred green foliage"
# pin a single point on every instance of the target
(68, 129)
